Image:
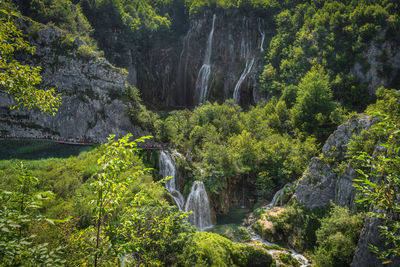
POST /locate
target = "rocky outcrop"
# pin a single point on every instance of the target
(381, 66)
(321, 182)
(370, 235)
(90, 86)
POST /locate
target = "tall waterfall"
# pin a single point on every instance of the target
(198, 203)
(245, 51)
(262, 33)
(246, 71)
(205, 71)
(167, 168)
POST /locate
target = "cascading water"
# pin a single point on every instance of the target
(262, 33)
(304, 262)
(245, 44)
(167, 168)
(205, 71)
(198, 203)
(246, 71)
(245, 51)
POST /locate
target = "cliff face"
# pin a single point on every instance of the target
(322, 182)
(381, 67)
(90, 88)
(168, 69)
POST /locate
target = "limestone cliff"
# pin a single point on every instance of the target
(381, 66)
(91, 89)
(167, 69)
(322, 182)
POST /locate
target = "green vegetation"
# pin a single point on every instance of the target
(261, 145)
(380, 173)
(213, 250)
(135, 219)
(19, 80)
(337, 237)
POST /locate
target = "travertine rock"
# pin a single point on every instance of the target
(90, 88)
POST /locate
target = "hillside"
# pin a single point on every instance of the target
(291, 103)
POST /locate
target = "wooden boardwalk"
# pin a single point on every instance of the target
(145, 146)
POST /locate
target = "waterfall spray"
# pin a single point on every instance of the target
(167, 168)
(246, 71)
(205, 70)
(198, 203)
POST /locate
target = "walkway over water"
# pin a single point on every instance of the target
(87, 142)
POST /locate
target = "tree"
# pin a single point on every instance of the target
(379, 183)
(314, 102)
(19, 80)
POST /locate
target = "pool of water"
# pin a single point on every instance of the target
(230, 225)
(38, 149)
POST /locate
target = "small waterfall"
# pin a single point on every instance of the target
(303, 261)
(262, 33)
(198, 203)
(278, 197)
(167, 168)
(246, 71)
(204, 73)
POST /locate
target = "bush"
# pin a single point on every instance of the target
(337, 237)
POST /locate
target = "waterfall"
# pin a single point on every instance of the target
(262, 33)
(278, 197)
(246, 71)
(198, 203)
(245, 46)
(184, 59)
(167, 168)
(205, 70)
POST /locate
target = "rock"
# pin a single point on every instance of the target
(169, 76)
(321, 183)
(317, 186)
(336, 144)
(370, 235)
(90, 91)
(383, 61)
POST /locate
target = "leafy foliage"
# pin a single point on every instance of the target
(18, 212)
(337, 237)
(379, 182)
(18, 80)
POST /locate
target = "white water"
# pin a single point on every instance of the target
(262, 33)
(198, 203)
(167, 168)
(304, 262)
(205, 70)
(246, 71)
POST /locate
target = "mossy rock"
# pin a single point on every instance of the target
(214, 250)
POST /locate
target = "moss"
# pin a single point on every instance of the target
(287, 259)
(214, 250)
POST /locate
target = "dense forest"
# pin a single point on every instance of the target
(199, 133)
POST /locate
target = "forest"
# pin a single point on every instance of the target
(213, 133)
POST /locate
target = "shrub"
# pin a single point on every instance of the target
(337, 237)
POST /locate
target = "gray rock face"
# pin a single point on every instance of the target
(317, 186)
(383, 66)
(321, 182)
(89, 85)
(363, 255)
(167, 70)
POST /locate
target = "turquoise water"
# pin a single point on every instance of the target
(230, 225)
(37, 149)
